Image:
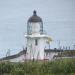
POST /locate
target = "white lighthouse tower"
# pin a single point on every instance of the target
(36, 39)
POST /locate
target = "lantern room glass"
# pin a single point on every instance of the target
(30, 27)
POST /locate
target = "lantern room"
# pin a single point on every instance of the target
(34, 24)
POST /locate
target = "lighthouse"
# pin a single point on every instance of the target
(36, 39)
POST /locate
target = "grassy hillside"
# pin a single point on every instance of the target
(58, 67)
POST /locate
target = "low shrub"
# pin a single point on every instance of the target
(57, 67)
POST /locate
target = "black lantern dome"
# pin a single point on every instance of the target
(35, 18)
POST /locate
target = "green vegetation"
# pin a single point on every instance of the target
(69, 53)
(66, 53)
(57, 67)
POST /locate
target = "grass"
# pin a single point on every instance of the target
(57, 67)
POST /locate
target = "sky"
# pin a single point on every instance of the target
(58, 20)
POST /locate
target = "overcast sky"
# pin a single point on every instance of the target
(58, 19)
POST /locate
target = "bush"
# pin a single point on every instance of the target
(5, 67)
(58, 67)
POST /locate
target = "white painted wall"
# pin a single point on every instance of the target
(35, 51)
(41, 56)
(18, 59)
(50, 55)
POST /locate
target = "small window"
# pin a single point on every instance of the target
(36, 42)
